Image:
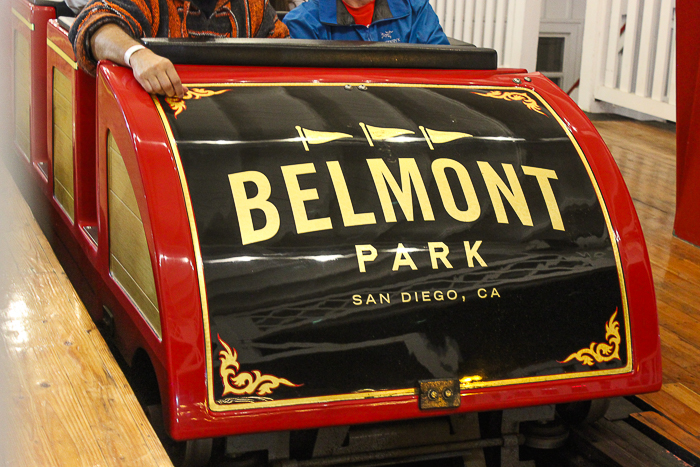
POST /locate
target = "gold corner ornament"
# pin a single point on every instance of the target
(603, 352)
(245, 384)
(178, 104)
(527, 100)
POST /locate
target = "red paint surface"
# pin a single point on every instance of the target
(168, 233)
(179, 360)
(38, 16)
(687, 222)
(83, 133)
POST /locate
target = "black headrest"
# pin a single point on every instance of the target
(66, 22)
(454, 41)
(317, 53)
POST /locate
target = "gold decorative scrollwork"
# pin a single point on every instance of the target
(245, 384)
(528, 101)
(178, 105)
(603, 352)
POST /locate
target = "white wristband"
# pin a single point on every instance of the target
(130, 51)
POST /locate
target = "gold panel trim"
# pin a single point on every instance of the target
(468, 383)
(136, 294)
(62, 54)
(23, 20)
(22, 95)
(120, 183)
(129, 257)
(64, 198)
(62, 126)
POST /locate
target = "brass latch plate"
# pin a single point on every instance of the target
(439, 394)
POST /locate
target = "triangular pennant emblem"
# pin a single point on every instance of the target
(319, 137)
(382, 134)
(440, 137)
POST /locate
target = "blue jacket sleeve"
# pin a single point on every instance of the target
(303, 23)
(426, 25)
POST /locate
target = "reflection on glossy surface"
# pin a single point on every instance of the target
(7, 368)
(385, 257)
(646, 156)
(277, 258)
(16, 313)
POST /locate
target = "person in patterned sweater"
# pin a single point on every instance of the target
(110, 29)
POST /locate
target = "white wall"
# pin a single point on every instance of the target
(565, 18)
(509, 26)
(628, 58)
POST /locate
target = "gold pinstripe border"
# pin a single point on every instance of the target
(215, 407)
(23, 20)
(61, 53)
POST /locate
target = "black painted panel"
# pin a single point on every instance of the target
(298, 306)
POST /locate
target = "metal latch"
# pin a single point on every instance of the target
(439, 394)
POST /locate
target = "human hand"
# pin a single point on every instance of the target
(156, 74)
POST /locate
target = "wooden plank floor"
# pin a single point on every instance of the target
(646, 155)
(65, 401)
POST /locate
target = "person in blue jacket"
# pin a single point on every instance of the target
(407, 21)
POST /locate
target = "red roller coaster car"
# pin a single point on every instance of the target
(324, 242)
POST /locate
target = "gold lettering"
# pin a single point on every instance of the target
(473, 208)
(438, 296)
(405, 297)
(357, 300)
(365, 253)
(425, 296)
(439, 251)
(402, 258)
(370, 299)
(543, 176)
(452, 295)
(384, 298)
(496, 186)
(482, 293)
(494, 293)
(473, 254)
(297, 198)
(245, 205)
(410, 176)
(350, 218)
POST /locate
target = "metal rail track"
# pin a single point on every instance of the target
(616, 440)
